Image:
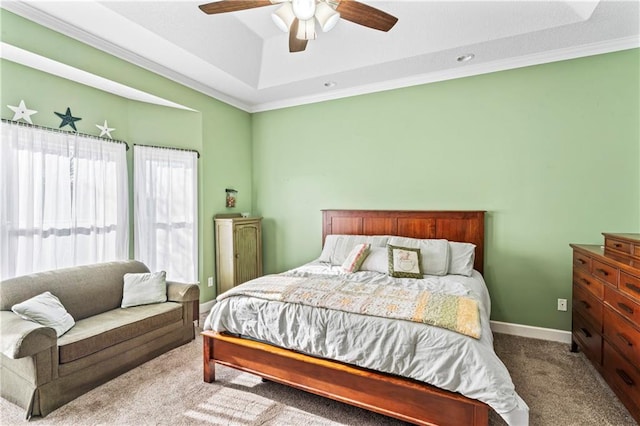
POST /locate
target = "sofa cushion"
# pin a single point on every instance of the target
(98, 332)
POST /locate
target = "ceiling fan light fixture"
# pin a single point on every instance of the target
(304, 9)
(307, 30)
(327, 17)
(283, 17)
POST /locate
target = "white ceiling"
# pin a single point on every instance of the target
(243, 59)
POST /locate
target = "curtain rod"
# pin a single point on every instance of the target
(35, 126)
(168, 147)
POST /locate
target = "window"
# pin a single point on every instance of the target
(63, 200)
(165, 185)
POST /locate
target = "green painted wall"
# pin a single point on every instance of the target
(552, 152)
(221, 133)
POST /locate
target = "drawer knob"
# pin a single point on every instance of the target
(618, 245)
(633, 287)
(587, 282)
(585, 332)
(586, 304)
(581, 261)
(625, 377)
(625, 308)
(602, 272)
(624, 339)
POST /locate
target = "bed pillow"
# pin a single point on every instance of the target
(144, 289)
(404, 262)
(377, 260)
(47, 310)
(462, 258)
(337, 247)
(355, 258)
(435, 253)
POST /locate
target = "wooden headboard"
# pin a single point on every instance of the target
(461, 226)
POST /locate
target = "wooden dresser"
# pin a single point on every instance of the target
(606, 312)
(238, 250)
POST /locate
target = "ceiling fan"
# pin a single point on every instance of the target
(299, 17)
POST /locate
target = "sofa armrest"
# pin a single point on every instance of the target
(20, 338)
(181, 292)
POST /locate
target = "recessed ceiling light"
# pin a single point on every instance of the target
(466, 57)
(330, 84)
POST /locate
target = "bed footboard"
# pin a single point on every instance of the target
(405, 399)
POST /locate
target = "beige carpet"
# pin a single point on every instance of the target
(560, 388)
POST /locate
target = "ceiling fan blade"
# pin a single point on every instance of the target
(365, 15)
(295, 44)
(223, 6)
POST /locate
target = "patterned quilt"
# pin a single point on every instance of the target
(456, 313)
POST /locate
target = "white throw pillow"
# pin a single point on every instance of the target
(144, 289)
(47, 310)
(435, 253)
(462, 258)
(357, 255)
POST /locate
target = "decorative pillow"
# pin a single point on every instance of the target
(376, 261)
(435, 253)
(357, 255)
(404, 262)
(144, 289)
(337, 247)
(45, 309)
(462, 257)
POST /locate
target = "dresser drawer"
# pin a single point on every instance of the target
(587, 305)
(604, 272)
(630, 285)
(588, 337)
(622, 335)
(581, 261)
(622, 376)
(617, 245)
(586, 281)
(622, 304)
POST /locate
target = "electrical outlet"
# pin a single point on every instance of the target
(210, 284)
(562, 304)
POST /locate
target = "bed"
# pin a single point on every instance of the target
(400, 394)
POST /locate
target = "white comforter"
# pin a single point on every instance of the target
(440, 357)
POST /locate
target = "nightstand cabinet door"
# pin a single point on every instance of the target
(238, 250)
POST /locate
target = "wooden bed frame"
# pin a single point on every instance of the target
(394, 396)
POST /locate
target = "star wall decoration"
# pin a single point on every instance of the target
(68, 119)
(22, 112)
(105, 129)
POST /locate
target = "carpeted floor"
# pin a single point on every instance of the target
(559, 387)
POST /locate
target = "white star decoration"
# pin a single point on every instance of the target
(105, 129)
(22, 112)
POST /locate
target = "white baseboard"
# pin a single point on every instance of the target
(531, 331)
(206, 306)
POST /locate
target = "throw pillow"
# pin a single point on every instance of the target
(144, 289)
(404, 262)
(47, 310)
(356, 256)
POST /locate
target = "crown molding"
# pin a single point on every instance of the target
(468, 71)
(33, 14)
(29, 12)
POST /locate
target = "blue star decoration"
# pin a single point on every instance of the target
(68, 119)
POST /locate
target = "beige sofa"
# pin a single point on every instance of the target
(41, 372)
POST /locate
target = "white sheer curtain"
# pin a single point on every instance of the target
(63, 200)
(165, 218)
